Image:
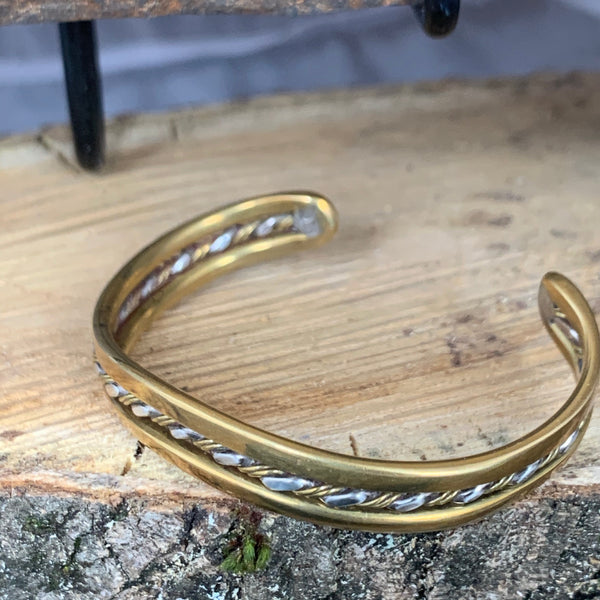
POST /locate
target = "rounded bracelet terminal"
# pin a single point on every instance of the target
(287, 476)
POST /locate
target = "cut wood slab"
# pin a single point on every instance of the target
(40, 11)
(413, 335)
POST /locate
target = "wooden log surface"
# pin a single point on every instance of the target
(414, 334)
(41, 11)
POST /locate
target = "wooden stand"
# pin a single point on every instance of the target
(37, 11)
(454, 200)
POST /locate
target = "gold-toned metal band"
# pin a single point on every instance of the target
(287, 476)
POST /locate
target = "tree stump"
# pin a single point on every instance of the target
(454, 199)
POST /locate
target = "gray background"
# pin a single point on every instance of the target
(170, 62)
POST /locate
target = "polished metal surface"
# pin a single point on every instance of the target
(287, 476)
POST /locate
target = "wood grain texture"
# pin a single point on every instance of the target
(41, 11)
(414, 334)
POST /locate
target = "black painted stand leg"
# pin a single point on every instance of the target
(437, 17)
(84, 91)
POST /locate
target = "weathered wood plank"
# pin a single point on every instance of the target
(40, 11)
(415, 333)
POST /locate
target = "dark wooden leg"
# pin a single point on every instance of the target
(84, 91)
(437, 17)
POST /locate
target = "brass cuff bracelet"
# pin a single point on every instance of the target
(287, 476)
